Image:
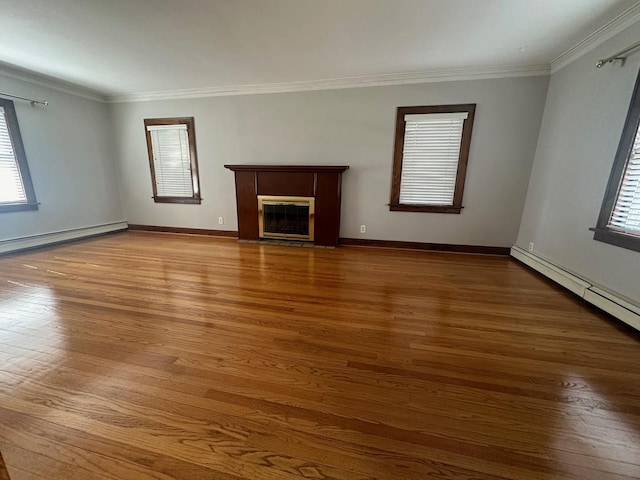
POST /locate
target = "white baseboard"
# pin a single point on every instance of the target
(558, 275)
(605, 300)
(32, 241)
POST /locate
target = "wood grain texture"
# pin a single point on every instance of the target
(328, 200)
(4, 475)
(321, 182)
(301, 184)
(247, 205)
(155, 357)
(288, 168)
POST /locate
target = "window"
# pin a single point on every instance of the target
(171, 143)
(16, 189)
(430, 158)
(619, 220)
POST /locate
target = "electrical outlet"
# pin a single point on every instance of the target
(531, 246)
(363, 229)
(220, 220)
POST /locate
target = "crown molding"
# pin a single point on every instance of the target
(601, 35)
(443, 75)
(49, 82)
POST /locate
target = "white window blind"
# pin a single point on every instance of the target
(171, 160)
(626, 213)
(11, 186)
(430, 158)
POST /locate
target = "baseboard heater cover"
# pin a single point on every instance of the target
(51, 238)
(611, 303)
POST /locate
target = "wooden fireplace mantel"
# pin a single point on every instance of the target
(288, 168)
(322, 182)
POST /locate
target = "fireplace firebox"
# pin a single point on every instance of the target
(286, 217)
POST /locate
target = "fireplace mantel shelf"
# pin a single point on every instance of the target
(288, 168)
(320, 182)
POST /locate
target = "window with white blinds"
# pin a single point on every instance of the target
(11, 187)
(172, 160)
(625, 216)
(430, 158)
(16, 191)
(619, 219)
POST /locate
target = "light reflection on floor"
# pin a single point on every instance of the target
(28, 308)
(586, 440)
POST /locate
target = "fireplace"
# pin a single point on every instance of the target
(289, 201)
(286, 217)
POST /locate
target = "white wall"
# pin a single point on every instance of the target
(69, 148)
(352, 127)
(583, 119)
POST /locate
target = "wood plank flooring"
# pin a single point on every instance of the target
(141, 356)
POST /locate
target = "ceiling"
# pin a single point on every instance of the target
(123, 47)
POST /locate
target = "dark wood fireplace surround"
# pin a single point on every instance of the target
(323, 182)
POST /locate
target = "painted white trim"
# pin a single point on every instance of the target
(601, 35)
(443, 75)
(53, 83)
(622, 301)
(613, 308)
(23, 243)
(617, 305)
(558, 275)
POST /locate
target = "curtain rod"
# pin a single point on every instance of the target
(621, 55)
(33, 102)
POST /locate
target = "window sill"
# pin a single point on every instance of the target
(196, 201)
(17, 207)
(399, 207)
(624, 240)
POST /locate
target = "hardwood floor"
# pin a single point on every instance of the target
(152, 356)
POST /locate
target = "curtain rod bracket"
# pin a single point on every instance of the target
(600, 63)
(620, 56)
(32, 101)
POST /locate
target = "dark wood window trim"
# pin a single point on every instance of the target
(21, 159)
(465, 144)
(603, 233)
(195, 179)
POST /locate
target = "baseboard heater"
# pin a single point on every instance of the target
(611, 303)
(52, 238)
